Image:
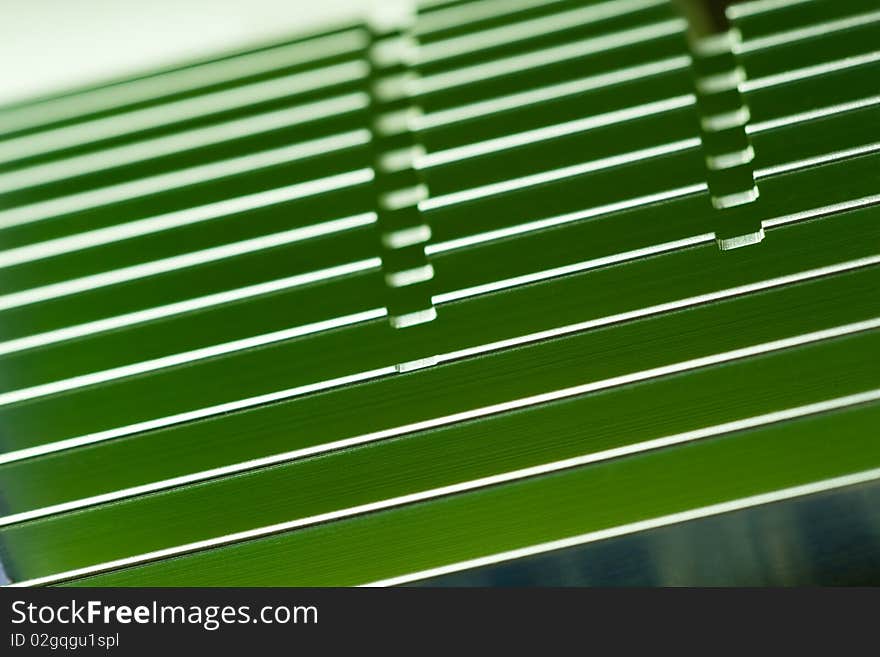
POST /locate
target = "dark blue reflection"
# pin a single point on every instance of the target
(828, 539)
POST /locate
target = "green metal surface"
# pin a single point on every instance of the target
(592, 261)
(373, 547)
(336, 415)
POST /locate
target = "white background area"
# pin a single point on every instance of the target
(48, 46)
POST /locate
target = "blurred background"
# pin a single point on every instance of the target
(45, 47)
